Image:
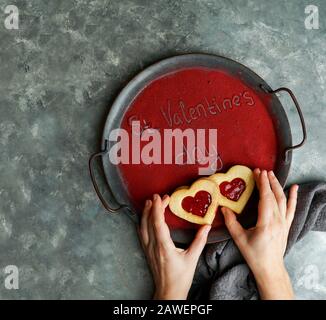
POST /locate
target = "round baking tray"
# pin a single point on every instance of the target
(120, 198)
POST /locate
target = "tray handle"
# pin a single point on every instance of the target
(303, 125)
(95, 185)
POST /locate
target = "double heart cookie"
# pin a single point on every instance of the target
(196, 204)
(199, 203)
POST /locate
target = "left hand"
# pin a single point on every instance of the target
(173, 268)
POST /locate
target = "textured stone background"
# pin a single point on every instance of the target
(58, 75)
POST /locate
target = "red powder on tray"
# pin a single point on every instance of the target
(199, 98)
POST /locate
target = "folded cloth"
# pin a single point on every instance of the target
(222, 272)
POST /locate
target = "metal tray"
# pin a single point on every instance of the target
(120, 199)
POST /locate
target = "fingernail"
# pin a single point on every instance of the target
(147, 203)
(264, 172)
(155, 196)
(271, 173)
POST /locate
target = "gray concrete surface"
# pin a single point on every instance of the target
(58, 75)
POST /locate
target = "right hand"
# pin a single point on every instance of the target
(263, 246)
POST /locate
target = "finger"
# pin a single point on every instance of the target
(165, 201)
(267, 202)
(278, 193)
(292, 203)
(263, 182)
(141, 240)
(161, 230)
(150, 227)
(257, 172)
(157, 209)
(231, 222)
(144, 223)
(199, 242)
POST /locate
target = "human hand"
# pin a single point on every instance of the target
(172, 268)
(263, 246)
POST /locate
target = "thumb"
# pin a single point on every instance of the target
(199, 242)
(232, 223)
(165, 201)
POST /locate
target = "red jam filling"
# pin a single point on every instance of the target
(234, 189)
(198, 204)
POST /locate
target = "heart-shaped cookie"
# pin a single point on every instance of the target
(234, 187)
(197, 203)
